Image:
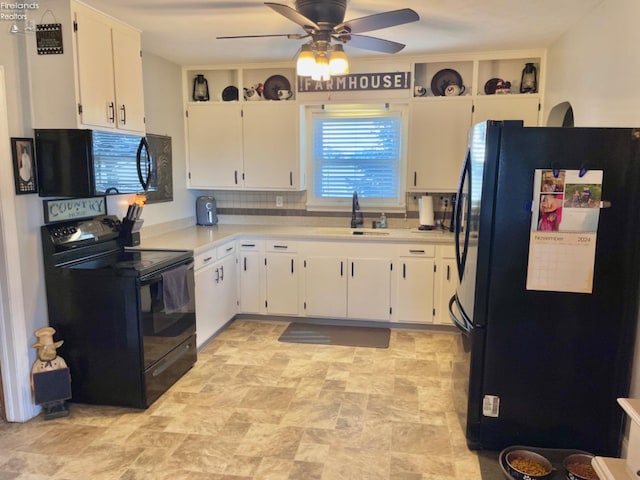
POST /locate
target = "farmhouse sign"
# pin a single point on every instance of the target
(357, 81)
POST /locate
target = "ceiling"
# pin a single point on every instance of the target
(185, 32)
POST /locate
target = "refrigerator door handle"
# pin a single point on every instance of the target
(461, 254)
(463, 324)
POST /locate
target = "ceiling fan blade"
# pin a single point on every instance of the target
(291, 36)
(372, 43)
(378, 21)
(293, 15)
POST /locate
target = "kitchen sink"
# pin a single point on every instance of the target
(350, 231)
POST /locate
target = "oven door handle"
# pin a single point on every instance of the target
(156, 277)
(172, 358)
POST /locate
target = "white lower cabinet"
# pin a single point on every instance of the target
(356, 285)
(325, 286)
(250, 275)
(368, 288)
(446, 283)
(281, 278)
(372, 281)
(415, 281)
(215, 290)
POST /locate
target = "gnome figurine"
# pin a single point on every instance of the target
(50, 377)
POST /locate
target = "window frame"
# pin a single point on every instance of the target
(314, 203)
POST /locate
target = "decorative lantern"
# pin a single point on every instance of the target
(200, 89)
(529, 81)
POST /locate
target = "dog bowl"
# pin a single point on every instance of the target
(528, 465)
(578, 467)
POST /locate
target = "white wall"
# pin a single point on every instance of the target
(165, 116)
(595, 67)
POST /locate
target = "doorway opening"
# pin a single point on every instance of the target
(561, 115)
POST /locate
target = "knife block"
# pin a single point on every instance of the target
(130, 232)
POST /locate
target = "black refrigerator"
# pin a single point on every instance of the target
(547, 241)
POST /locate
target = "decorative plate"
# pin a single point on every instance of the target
(442, 78)
(273, 84)
(230, 93)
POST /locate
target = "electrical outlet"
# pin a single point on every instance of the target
(279, 201)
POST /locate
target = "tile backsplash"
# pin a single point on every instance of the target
(259, 207)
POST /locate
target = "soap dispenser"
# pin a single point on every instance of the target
(383, 221)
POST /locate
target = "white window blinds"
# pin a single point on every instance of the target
(360, 153)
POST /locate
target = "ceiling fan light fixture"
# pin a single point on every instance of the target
(338, 62)
(321, 72)
(306, 62)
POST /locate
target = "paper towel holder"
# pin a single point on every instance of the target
(426, 216)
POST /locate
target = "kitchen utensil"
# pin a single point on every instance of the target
(442, 79)
(273, 84)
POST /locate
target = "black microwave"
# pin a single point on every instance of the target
(81, 163)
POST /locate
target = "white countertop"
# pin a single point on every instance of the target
(200, 238)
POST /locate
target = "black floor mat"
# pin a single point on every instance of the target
(336, 335)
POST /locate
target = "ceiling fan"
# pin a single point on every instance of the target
(323, 22)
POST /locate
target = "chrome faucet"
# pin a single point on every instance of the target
(356, 215)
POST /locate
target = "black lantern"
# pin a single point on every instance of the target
(200, 89)
(529, 80)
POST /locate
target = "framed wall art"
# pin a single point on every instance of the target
(24, 165)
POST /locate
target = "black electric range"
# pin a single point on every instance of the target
(124, 343)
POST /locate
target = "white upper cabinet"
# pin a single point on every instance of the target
(502, 107)
(235, 143)
(97, 81)
(127, 63)
(437, 143)
(214, 138)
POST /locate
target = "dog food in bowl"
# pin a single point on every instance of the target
(579, 467)
(525, 464)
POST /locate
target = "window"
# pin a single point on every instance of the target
(356, 149)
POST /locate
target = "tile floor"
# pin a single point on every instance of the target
(256, 408)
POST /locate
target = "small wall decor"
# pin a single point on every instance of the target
(24, 166)
(49, 39)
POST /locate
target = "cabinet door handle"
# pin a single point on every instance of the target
(217, 275)
(208, 259)
(235, 176)
(245, 263)
(123, 116)
(221, 272)
(282, 247)
(112, 112)
(404, 270)
(247, 245)
(292, 265)
(229, 249)
(291, 179)
(341, 268)
(415, 179)
(416, 251)
(352, 269)
(448, 272)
